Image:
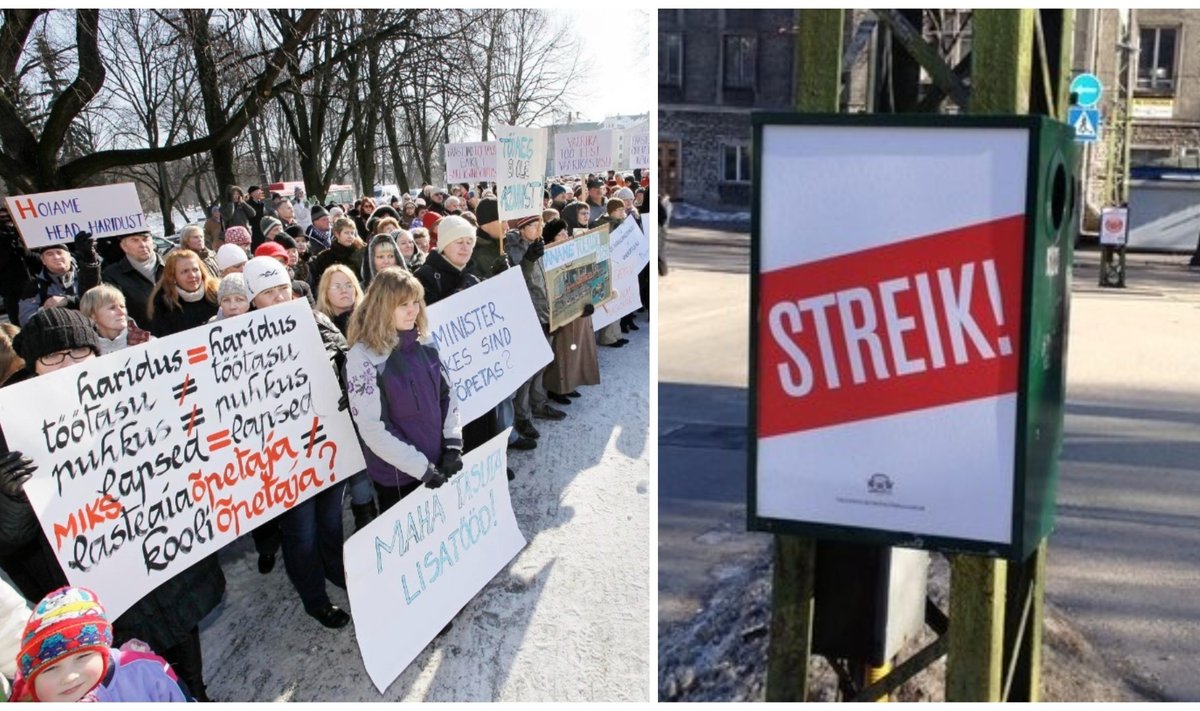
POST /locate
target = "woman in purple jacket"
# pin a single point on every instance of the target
(401, 398)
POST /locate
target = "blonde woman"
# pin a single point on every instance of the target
(185, 295)
(104, 306)
(338, 295)
(401, 398)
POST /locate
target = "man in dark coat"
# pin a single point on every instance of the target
(488, 258)
(135, 274)
(64, 279)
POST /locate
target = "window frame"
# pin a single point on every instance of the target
(1153, 86)
(743, 84)
(668, 79)
(743, 158)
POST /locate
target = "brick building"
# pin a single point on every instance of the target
(714, 68)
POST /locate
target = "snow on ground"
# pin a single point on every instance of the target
(685, 212)
(567, 620)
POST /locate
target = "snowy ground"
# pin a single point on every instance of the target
(684, 212)
(567, 620)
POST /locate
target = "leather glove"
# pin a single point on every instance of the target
(344, 402)
(588, 309)
(433, 478)
(85, 244)
(535, 251)
(450, 463)
(15, 470)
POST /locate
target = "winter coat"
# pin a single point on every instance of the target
(17, 265)
(303, 214)
(441, 278)
(368, 262)
(570, 215)
(167, 320)
(351, 257)
(487, 259)
(416, 261)
(135, 673)
(318, 241)
(134, 285)
(241, 214)
(166, 615)
(534, 273)
(403, 406)
(73, 285)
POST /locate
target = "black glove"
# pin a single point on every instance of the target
(85, 245)
(15, 470)
(535, 251)
(433, 478)
(450, 463)
(588, 309)
(344, 402)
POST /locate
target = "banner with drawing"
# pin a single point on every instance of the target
(43, 219)
(411, 570)
(520, 170)
(630, 252)
(471, 162)
(489, 340)
(578, 272)
(155, 456)
(582, 153)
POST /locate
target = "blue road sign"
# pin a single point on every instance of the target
(1087, 89)
(1086, 123)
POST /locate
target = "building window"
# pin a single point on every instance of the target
(735, 164)
(740, 52)
(670, 59)
(1156, 59)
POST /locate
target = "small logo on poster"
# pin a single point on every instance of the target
(879, 484)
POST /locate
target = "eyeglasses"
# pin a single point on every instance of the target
(341, 287)
(76, 354)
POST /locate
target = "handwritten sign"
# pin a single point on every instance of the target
(489, 340)
(520, 170)
(578, 272)
(471, 162)
(52, 218)
(412, 569)
(583, 153)
(630, 252)
(637, 146)
(155, 456)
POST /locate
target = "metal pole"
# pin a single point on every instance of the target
(818, 74)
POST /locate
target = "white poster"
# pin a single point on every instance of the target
(52, 218)
(155, 456)
(412, 569)
(1114, 225)
(583, 153)
(630, 251)
(471, 162)
(489, 340)
(637, 146)
(520, 170)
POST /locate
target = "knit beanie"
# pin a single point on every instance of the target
(271, 249)
(453, 228)
(232, 285)
(556, 190)
(230, 255)
(613, 205)
(317, 212)
(268, 222)
(552, 229)
(488, 210)
(293, 231)
(624, 194)
(237, 235)
(66, 622)
(264, 273)
(53, 330)
(285, 240)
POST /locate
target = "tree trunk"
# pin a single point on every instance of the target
(165, 203)
(389, 125)
(486, 89)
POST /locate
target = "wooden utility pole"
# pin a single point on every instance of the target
(818, 75)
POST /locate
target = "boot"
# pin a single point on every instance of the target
(363, 514)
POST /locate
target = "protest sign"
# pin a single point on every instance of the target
(412, 569)
(155, 456)
(637, 146)
(489, 340)
(43, 219)
(520, 170)
(630, 251)
(471, 162)
(578, 272)
(583, 153)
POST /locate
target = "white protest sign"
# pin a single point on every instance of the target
(583, 153)
(155, 456)
(630, 252)
(412, 569)
(489, 340)
(52, 218)
(1114, 225)
(471, 162)
(520, 170)
(637, 146)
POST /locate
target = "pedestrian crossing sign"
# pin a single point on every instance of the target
(1086, 123)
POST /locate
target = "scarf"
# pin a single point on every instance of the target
(190, 296)
(147, 268)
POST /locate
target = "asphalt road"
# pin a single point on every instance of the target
(1124, 560)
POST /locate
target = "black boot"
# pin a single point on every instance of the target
(363, 514)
